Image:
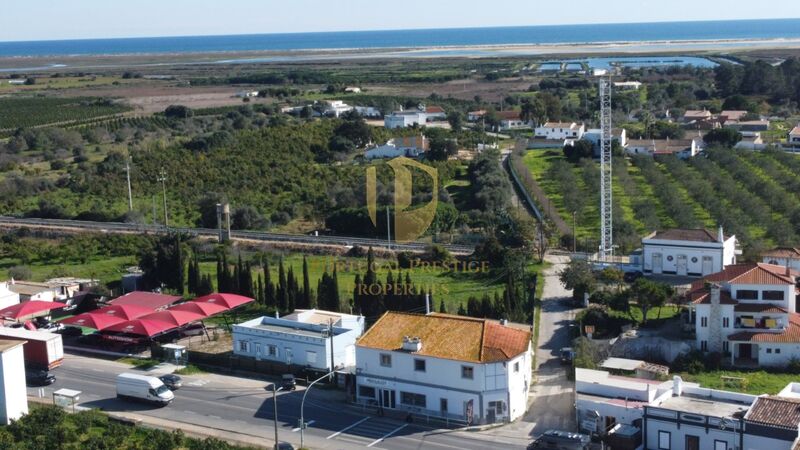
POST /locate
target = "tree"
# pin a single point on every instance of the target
(578, 277)
(356, 131)
(456, 120)
(178, 112)
(726, 137)
(306, 286)
(647, 294)
(579, 149)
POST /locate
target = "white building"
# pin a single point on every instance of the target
(474, 116)
(335, 108)
(7, 296)
(302, 339)
(693, 252)
(628, 85)
(403, 119)
(680, 148)
(747, 313)
(434, 113)
(247, 94)
(368, 111)
(560, 130)
(595, 135)
(783, 256)
(13, 392)
(455, 367)
(409, 146)
(352, 90)
(793, 140)
(511, 120)
(29, 290)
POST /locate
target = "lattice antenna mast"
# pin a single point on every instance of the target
(606, 196)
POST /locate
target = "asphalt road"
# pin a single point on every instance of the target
(243, 407)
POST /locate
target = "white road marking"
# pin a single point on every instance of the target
(296, 429)
(347, 428)
(388, 434)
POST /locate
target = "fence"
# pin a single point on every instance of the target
(529, 187)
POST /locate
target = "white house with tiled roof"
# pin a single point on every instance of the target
(794, 137)
(692, 252)
(783, 256)
(560, 130)
(454, 367)
(747, 313)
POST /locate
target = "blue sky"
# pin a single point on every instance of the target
(75, 19)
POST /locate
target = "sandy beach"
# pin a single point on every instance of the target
(156, 60)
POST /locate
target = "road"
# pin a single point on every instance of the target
(119, 227)
(243, 407)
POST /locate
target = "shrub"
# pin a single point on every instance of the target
(20, 273)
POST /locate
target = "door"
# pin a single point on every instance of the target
(443, 406)
(708, 265)
(387, 398)
(682, 265)
(288, 352)
(657, 263)
(692, 443)
(745, 351)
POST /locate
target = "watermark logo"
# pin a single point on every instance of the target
(409, 224)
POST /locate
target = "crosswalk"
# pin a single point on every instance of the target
(368, 432)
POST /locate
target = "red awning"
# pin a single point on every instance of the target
(228, 300)
(93, 320)
(150, 300)
(142, 327)
(29, 308)
(126, 312)
(177, 318)
(206, 309)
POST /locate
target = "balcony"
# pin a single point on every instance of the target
(760, 324)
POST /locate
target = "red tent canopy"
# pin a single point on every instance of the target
(126, 312)
(143, 327)
(177, 318)
(93, 320)
(206, 309)
(29, 308)
(228, 300)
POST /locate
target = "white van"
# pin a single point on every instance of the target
(143, 388)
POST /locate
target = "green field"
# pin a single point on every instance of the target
(20, 112)
(756, 383)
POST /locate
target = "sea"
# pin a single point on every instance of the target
(773, 29)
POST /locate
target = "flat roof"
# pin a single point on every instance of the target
(688, 403)
(621, 364)
(287, 329)
(8, 344)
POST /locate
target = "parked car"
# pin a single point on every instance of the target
(561, 440)
(172, 381)
(288, 382)
(567, 355)
(630, 277)
(70, 331)
(39, 378)
(284, 446)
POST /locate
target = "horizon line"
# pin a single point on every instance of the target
(396, 29)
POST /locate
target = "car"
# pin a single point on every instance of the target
(567, 355)
(284, 446)
(39, 378)
(561, 440)
(172, 381)
(70, 331)
(288, 382)
(630, 277)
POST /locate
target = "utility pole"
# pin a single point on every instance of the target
(574, 232)
(163, 179)
(154, 210)
(302, 423)
(130, 194)
(333, 363)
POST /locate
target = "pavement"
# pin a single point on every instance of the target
(241, 410)
(552, 395)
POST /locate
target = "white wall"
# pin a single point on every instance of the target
(788, 302)
(560, 133)
(7, 298)
(691, 250)
(793, 263)
(13, 392)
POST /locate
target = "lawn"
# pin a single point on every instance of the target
(105, 269)
(759, 382)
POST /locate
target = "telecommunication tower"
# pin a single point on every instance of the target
(606, 196)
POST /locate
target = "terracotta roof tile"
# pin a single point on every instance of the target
(759, 308)
(782, 252)
(686, 234)
(704, 298)
(508, 115)
(776, 411)
(749, 273)
(448, 336)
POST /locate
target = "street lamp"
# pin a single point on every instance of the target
(303, 404)
(275, 390)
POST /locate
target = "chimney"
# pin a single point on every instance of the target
(677, 386)
(720, 235)
(715, 294)
(412, 344)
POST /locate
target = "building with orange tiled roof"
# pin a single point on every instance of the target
(447, 366)
(783, 256)
(747, 312)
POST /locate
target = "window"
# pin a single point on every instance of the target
(704, 321)
(746, 294)
(243, 347)
(664, 440)
(419, 365)
(726, 346)
(443, 405)
(516, 367)
(726, 322)
(772, 295)
(467, 372)
(720, 445)
(366, 391)
(412, 399)
(777, 350)
(386, 360)
(272, 350)
(769, 350)
(258, 348)
(692, 442)
(311, 357)
(704, 346)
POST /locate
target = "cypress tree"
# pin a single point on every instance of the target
(335, 304)
(269, 286)
(180, 282)
(442, 308)
(306, 286)
(283, 301)
(220, 275)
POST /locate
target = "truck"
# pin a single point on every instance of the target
(42, 350)
(143, 388)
